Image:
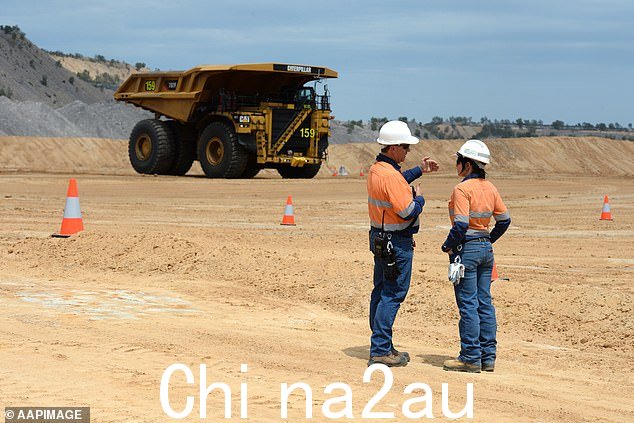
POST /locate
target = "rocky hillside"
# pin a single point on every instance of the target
(27, 73)
(76, 119)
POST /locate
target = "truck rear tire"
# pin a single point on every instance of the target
(304, 172)
(184, 148)
(219, 153)
(151, 147)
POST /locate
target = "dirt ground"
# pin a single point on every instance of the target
(196, 271)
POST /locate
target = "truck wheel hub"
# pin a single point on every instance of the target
(215, 151)
(143, 147)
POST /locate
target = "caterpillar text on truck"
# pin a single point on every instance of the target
(234, 119)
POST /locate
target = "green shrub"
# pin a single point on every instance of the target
(8, 93)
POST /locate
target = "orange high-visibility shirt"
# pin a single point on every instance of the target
(390, 199)
(475, 201)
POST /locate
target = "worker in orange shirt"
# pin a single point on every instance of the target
(473, 203)
(394, 208)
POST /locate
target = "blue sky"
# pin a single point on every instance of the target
(543, 60)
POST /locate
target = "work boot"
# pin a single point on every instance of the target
(488, 366)
(455, 365)
(390, 360)
(403, 353)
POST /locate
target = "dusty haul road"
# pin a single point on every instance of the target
(195, 271)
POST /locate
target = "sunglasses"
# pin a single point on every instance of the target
(404, 146)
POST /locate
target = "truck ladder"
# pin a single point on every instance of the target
(290, 129)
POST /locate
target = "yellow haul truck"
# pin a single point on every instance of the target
(234, 119)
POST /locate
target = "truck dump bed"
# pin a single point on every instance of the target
(176, 94)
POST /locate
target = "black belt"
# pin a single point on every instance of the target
(404, 233)
(481, 239)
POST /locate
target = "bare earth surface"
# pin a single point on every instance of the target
(197, 271)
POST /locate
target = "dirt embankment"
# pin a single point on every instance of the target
(94, 68)
(536, 156)
(558, 155)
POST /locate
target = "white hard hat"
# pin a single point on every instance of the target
(475, 150)
(395, 132)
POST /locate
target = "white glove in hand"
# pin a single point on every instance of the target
(456, 271)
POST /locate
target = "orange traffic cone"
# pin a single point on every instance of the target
(494, 273)
(605, 213)
(288, 218)
(72, 222)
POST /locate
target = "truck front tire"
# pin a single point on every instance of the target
(219, 153)
(151, 147)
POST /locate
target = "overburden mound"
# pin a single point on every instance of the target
(529, 156)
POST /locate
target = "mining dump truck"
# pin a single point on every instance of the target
(234, 119)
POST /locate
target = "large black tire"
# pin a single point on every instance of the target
(184, 148)
(151, 147)
(304, 172)
(252, 168)
(219, 153)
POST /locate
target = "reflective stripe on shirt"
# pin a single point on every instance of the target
(461, 218)
(394, 226)
(380, 203)
(503, 216)
(477, 215)
(406, 212)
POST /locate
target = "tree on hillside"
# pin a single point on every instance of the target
(84, 75)
(496, 129)
(460, 120)
(8, 93)
(139, 65)
(350, 124)
(376, 122)
(105, 80)
(558, 124)
(13, 30)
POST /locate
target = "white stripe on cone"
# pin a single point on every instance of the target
(72, 210)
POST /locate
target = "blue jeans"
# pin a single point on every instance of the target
(473, 295)
(387, 294)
